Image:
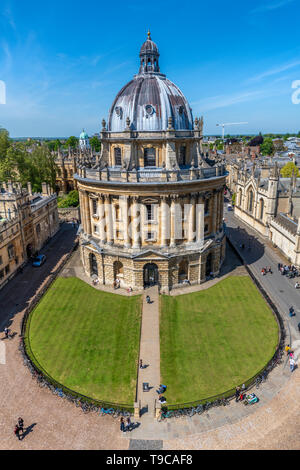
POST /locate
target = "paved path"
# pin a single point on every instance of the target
(150, 355)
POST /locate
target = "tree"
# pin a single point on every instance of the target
(95, 143)
(72, 142)
(267, 147)
(71, 200)
(289, 169)
(4, 142)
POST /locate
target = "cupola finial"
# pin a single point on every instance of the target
(149, 35)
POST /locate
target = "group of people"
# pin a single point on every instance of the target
(240, 393)
(266, 270)
(125, 427)
(19, 428)
(290, 354)
(161, 389)
(291, 270)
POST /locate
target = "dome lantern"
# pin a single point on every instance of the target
(149, 56)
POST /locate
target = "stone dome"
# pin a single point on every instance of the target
(150, 99)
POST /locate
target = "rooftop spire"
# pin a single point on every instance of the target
(149, 35)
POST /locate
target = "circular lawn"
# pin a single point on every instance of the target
(215, 339)
(87, 340)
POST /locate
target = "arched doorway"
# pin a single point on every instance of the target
(93, 265)
(29, 250)
(182, 271)
(208, 269)
(150, 274)
(118, 272)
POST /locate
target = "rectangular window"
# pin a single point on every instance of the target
(38, 229)
(150, 236)
(7, 269)
(2, 274)
(118, 157)
(149, 157)
(10, 251)
(94, 202)
(1, 260)
(182, 155)
(96, 229)
(150, 211)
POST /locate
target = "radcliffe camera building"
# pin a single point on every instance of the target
(151, 205)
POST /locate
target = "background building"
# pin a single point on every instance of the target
(27, 222)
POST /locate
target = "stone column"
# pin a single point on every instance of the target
(191, 236)
(136, 223)
(200, 220)
(173, 221)
(164, 220)
(101, 210)
(214, 213)
(108, 220)
(88, 214)
(127, 241)
(82, 210)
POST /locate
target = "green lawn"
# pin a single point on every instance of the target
(214, 339)
(88, 340)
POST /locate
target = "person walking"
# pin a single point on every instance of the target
(237, 394)
(128, 425)
(21, 424)
(141, 364)
(292, 364)
(122, 425)
(17, 432)
(299, 327)
(6, 332)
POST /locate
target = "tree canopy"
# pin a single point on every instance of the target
(289, 169)
(267, 147)
(26, 163)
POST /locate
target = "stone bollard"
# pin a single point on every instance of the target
(137, 408)
(157, 409)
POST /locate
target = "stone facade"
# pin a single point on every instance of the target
(151, 204)
(27, 221)
(270, 204)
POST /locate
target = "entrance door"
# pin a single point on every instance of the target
(150, 275)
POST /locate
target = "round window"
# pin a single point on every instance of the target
(149, 109)
(119, 111)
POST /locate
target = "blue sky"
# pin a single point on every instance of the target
(64, 61)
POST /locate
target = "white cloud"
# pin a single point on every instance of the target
(271, 6)
(274, 71)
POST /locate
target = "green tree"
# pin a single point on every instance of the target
(71, 200)
(72, 142)
(4, 142)
(267, 147)
(289, 169)
(95, 143)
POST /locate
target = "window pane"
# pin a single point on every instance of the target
(149, 157)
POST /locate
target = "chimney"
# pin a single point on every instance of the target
(44, 189)
(29, 188)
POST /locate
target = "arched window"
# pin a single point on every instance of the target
(149, 157)
(250, 200)
(93, 264)
(261, 209)
(206, 206)
(182, 155)
(118, 156)
(240, 197)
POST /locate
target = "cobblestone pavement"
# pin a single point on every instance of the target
(56, 424)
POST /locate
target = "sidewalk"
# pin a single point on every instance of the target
(150, 355)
